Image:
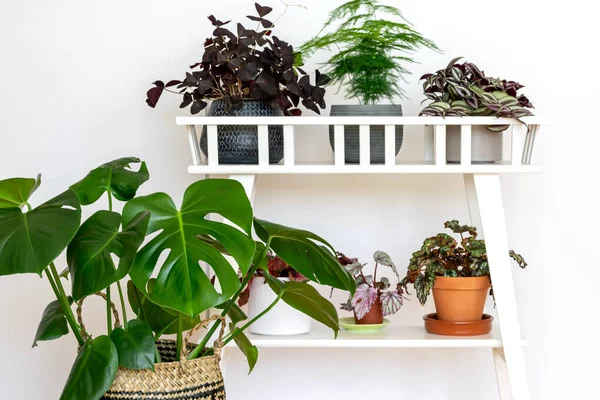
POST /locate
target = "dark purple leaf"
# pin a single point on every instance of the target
(283, 102)
(225, 32)
(253, 18)
(267, 25)
(425, 76)
(204, 86)
(153, 95)
(160, 84)
(267, 83)
(296, 112)
(311, 106)
(317, 94)
(173, 83)
(305, 85)
(216, 22)
(187, 99)
(257, 93)
(195, 65)
(198, 106)
(262, 11)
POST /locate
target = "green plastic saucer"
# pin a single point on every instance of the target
(349, 325)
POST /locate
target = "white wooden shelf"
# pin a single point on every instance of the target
(388, 337)
(328, 168)
(516, 160)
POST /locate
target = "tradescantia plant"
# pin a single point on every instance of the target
(442, 255)
(247, 64)
(369, 52)
(166, 296)
(369, 289)
(462, 89)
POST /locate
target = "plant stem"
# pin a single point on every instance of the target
(139, 301)
(375, 275)
(233, 299)
(59, 291)
(179, 334)
(237, 331)
(108, 312)
(123, 308)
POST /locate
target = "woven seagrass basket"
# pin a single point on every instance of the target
(200, 378)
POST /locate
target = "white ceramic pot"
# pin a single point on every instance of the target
(281, 319)
(486, 146)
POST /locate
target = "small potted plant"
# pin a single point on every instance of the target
(373, 299)
(457, 273)
(462, 89)
(282, 319)
(370, 55)
(246, 73)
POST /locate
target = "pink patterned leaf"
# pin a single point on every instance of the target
(363, 299)
(390, 302)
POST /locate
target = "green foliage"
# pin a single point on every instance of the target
(308, 253)
(53, 324)
(17, 191)
(442, 255)
(30, 241)
(182, 284)
(115, 177)
(93, 372)
(369, 52)
(161, 320)
(246, 347)
(305, 298)
(89, 254)
(135, 345)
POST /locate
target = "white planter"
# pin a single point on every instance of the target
(486, 146)
(281, 319)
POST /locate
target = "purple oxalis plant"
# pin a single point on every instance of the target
(369, 289)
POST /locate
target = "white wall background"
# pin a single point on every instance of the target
(73, 79)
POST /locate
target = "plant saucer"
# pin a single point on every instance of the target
(349, 325)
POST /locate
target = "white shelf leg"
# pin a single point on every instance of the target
(249, 184)
(501, 374)
(489, 197)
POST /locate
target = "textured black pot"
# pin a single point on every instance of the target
(351, 132)
(238, 144)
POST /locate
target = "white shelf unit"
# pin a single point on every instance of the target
(482, 184)
(389, 337)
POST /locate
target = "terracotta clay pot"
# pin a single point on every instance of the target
(460, 299)
(373, 317)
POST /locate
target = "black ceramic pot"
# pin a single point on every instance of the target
(351, 132)
(238, 144)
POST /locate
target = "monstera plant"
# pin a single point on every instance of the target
(167, 295)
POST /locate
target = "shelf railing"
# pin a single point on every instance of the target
(522, 140)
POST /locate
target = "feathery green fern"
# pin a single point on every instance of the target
(370, 52)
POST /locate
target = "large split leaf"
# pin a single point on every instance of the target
(244, 344)
(53, 324)
(135, 345)
(16, 192)
(93, 372)
(116, 177)
(181, 283)
(91, 266)
(306, 299)
(161, 320)
(306, 252)
(32, 240)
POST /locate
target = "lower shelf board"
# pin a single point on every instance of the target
(388, 337)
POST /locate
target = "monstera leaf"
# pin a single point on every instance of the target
(161, 320)
(115, 177)
(306, 299)
(89, 254)
(246, 347)
(181, 283)
(93, 372)
(32, 240)
(308, 253)
(53, 324)
(135, 345)
(17, 191)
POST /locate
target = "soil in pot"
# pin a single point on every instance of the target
(238, 144)
(377, 138)
(460, 299)
(373, 317)
(486, 146)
